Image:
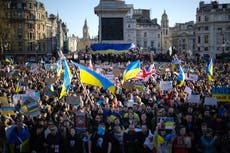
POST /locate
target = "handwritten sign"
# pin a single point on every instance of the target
(210, 101)
(166, 85)
(194, 99)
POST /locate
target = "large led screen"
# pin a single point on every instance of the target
(112, 28)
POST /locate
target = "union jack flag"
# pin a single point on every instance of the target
(146, 72)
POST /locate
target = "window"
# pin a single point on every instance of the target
(152, 43)
(20, 36)
(145, 34)
(183, 40)
(145, 44)
(30, 36)
(199, 18)
(129, 26)
(30, 46)
(206, 28)
(206, 48)
(19, 26)
(19, 14)
(198, 39)
(30, 26)
(198, 28)
(206, 39)
(19, 6)
(8, 5)
(30, 6)
(206, 18)
(183, 47)
(198, 48)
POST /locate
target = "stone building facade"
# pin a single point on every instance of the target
(183, 37)
(34, 32)
(213, 28)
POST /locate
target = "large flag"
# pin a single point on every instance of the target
(131, 70)
(66, 81)
(88, 76)
(181, 77)
(59, 68)
(209, 71)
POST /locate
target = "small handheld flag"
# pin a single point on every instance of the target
(209, 71)
(131, 70)
(181, 77)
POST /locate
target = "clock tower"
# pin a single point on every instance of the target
(85, 31)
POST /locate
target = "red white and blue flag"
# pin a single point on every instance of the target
(146, 72)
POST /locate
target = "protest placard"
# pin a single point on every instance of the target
(80, 121)
(194, 99)
(166, 85)
(192, 77)
(74, 100)
(188, 90)
(166, 122)
(4, 100)
(127, 85)
(210, 101)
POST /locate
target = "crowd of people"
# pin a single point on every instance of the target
(133, 120)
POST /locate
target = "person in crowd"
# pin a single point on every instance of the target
(98, 142)
(54, 141)
(18, 137)
(182, 143)
(208, 141)
(73, 142)
(115, 141)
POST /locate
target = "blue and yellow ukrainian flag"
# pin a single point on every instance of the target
(131, 70)
(66, 81)
(18, 86)
(59, 68)
(181, 77)
(8, 59)
(209, 71)
(88, 76)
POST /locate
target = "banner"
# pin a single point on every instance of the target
(5, 110)
(166, 85)
(210, 101)
(194, 99)
(222, 94)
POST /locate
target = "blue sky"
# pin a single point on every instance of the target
(74, 12)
